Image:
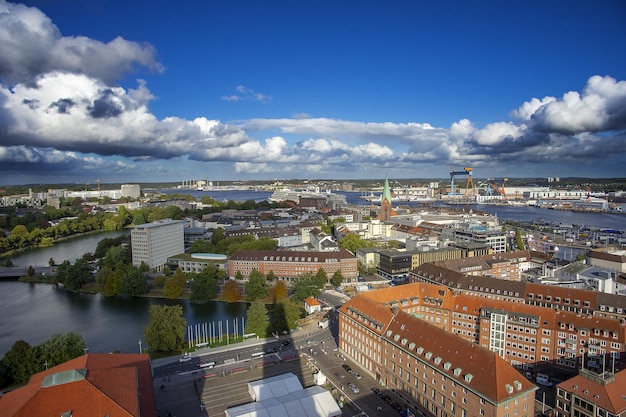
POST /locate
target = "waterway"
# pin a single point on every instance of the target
(35, 312)
(517, 213)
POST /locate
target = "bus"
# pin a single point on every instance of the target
(257, 355)
(203, 364)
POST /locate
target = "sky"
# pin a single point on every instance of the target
(152, 91)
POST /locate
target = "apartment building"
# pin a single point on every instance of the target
(428, 367)
(592, 394)
(524, 335)
(152, 243)
(289, 265)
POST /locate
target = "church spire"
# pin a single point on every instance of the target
(386, 191)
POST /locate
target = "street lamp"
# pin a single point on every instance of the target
(140, 351)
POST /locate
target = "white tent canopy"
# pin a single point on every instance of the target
(291, 400)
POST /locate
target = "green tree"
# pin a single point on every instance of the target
(257, 320)
(270, 276)
(175, 285)
(204, 286)
(218, 236)
(337, 278)
(31, 271)
(166, 329)
(133, 282)
(61, 348)
(306, 285)
(285, 316)
(321, 278)
(201, 246)
(518, 239)
(19, 363)
(73, 277)
(353, 242)
(256, 286)
(581, 257)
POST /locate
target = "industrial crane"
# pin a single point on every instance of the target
(470, 182)
(493, 182)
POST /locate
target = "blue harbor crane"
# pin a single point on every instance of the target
(470, 183)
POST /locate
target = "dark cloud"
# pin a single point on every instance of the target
(105, 106)
(63, 105)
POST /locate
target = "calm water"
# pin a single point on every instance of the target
(34, 312)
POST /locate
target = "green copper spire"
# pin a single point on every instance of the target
(386, 191)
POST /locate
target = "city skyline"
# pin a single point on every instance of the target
(155, 92)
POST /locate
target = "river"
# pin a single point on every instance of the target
(35, 312)
(517, 213)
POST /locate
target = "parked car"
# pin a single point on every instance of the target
(376, 391)
(346, 367)
(185, 358)
(353, 388)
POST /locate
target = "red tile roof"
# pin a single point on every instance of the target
(119, 385)
(609, 396)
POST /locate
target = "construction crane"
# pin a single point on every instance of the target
(470, 182)
(493, 182)
(100, 179)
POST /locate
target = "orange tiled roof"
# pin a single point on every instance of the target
(119, 385)
(478, 368)
(609, 396)
(312, 301)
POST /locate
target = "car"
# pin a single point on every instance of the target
(353, 388)
(285, 343)
(356, 375)
(185, 358)
(376, 391)
(346, 367)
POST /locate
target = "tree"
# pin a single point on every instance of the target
(257, 319)
(321, 278)
(218, 235)
(73, 277)
(306, 285)
(231, 291)
(204, 286)
(278, 291)
(285, 316)
(175, 285)
(518, 239)
(133, 282)
(61, 348)
(166, 329)
(270, 276)
(19, 363)
(256, 287)
(31, 271)
(238, 276)
(51, 262)
(337, 278)
(581, 257)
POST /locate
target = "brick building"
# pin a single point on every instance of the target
(288, 265)
(430, 368)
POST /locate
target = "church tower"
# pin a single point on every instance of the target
(385, 203)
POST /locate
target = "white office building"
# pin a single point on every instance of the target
(154, 242)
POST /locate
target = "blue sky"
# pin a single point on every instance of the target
(145, 91)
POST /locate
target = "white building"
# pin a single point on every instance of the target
(131, 190)
(153, 243)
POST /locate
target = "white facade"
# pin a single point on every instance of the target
(153, 243)
(131, 190)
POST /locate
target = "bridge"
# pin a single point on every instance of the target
(18, 271)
